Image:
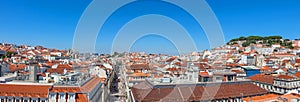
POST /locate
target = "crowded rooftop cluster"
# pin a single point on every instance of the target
(50, 74)
(245, 69)
(267, 63)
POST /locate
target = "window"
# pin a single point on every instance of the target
(52, 96)
(71, 96)
(62, 96)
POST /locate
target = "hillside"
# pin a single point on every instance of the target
(266, 41)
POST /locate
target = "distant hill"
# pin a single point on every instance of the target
(266, 41)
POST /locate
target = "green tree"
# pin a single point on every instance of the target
(286, 40)
(255, 38)
(242, 38)
(245, 44)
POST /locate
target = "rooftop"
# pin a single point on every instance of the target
(24, 90)
(147, 91)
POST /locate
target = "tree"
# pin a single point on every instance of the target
(255, 38)
(291, 47)
(273, 37)
(242, 38)
(245, 44)
(240, 51)
(253, 42)
(9, 54)
(286, 40)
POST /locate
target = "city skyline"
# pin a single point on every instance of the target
(52, 23)
(149, 50)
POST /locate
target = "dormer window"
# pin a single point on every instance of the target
(52, 96)
(71, 97)
(25, 99)
(43, 100)
(17, 99)
(2, 99)
(34, 99)
(10, 99)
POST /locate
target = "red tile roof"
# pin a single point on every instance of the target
(232, 65)
(55, 70)
(87, 87)
(297, 74)
(176, 69)
(298, 60)
(171, 59)
(60, 69)
(269, 79)
(140, 66)
(284, 55)
(144, 92)
(158, 75)
(178, 63)
(238, 71)
(64, 66)
(39, 91)
(286, 77)
(15, 67)
(266, 69)
(204, 74)
(140, 74)
(81, 98)
(202, 66)
(262, 98)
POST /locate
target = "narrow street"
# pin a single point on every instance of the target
(117, 89)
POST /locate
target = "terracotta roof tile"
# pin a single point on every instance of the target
(15, 67)
(261, 98)
(269, 79)
(140, 66)
(140, 74)
(204, 74)
(238, 71)
(286, 77)
(297, 74)
(40, 91)
(145, 92)
(55, 70)
(87, 87)
(298, 60)
(64, 66)
(171, 59)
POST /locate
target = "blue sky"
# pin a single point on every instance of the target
(52, 23)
